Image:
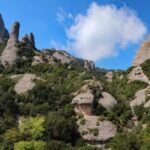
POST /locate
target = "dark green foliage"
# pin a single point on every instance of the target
(139, 111)
(58, 127)
(146, 68)
(121, 89)
(89, 148)
(125, 141)
(58, 145)
(120, 114)
(2, 46)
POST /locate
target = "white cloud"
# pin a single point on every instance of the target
(104, 30)
(62, 16)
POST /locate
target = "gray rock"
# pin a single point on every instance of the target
(63, 57)
(31, 39)
(89, 65)
(9, 55)
(25, 84)
(83, 103)
(143, 53)
(107, 101)
(105, 129)
(137, 74)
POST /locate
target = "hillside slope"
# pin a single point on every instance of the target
(50, 100)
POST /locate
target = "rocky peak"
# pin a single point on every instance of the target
(89, 65)
(143, 53)
(31, 39)
(14, 34)
(3, 31)
(9, 55)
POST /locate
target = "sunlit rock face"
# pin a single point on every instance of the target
(143, 53)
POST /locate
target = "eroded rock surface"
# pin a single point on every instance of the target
(143, 53)
(83, 103)
(95, 130)
(25, 84)
(89, 65)
(107, 101)
(137, 74)
(139, 98)
(63, 57)
(9, 55)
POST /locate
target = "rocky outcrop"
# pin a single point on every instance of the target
(9, 55)
(109, 76)
(107, 101)
(31, 39)
(25, 84)
(3, 32)
(139, 98)
(63, 57)
(89, 65)
(143, 53)
(95, 130)
(137, 74)
(83, 103)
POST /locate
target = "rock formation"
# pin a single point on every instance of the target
(31, 39)
(89, 65)
(139, 98)
(143, 53)
(137, 74)
(109, 76)
(9, 55)
(25, 83)
(94, 130)
(63, 57)
(107, 101)
(83, 103)
(3, 32)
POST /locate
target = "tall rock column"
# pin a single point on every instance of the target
(9, 55)
(31, 39)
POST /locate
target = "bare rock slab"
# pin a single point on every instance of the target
(25, 84)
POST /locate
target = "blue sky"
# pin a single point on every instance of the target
(41, 17)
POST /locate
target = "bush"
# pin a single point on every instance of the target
(30, 145)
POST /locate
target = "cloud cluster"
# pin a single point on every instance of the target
(104, 30)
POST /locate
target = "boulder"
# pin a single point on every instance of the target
(139, 98)
(83, 103)
(25, 84)
(137, 74)
(107, 101)
(143, 53)
(9, 55)
(94, 130)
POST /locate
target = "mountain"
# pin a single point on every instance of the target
(50, 100)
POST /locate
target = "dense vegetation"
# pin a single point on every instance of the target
(44, 119)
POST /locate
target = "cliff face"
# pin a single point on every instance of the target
(143, 53)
